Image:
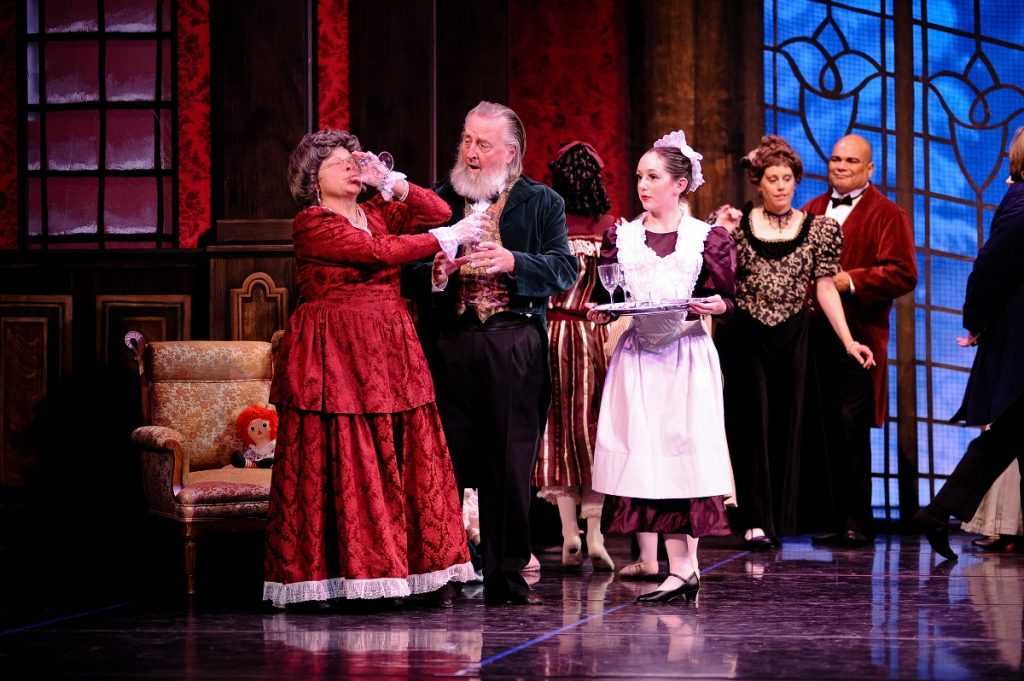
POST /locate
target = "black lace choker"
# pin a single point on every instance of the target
(778, 220)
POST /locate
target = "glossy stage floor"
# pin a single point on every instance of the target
(891, 611)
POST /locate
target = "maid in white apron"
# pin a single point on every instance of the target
(661, 455)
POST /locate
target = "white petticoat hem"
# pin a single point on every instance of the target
(281, 595)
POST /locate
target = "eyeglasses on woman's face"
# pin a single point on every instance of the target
(347, 165)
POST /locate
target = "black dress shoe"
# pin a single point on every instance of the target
(826, 539)
(936, 531)
(444, 597)
(688, 590)
(847, 539)
(528, 598)
(855, 539)
(309, 607)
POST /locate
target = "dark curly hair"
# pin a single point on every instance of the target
(576, 176)
(305, 161)
(772, 151)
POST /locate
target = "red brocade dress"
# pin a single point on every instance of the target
(578, 365)
(363, 502)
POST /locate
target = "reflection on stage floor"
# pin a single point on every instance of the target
(893, 610)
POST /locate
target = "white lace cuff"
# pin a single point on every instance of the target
(387, 185)
(449, 242)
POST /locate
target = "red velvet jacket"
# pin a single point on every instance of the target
(878, 254)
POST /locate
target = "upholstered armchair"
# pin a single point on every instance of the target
(192, 392)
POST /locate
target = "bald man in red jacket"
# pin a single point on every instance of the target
(878, 266)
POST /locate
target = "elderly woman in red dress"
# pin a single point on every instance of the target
(363, 503)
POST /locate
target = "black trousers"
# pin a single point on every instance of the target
(986, 458)
(493, 392)
(845, 396)
(765, 372)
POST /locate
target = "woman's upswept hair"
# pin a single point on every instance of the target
(515, 134)
(772, 151)
(576, 176)
(677, 165)
(304, 164)
(1017, 156)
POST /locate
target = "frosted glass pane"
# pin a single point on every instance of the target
(32, 16)
(32, 57)
(72, 140)
(166, 78)
(34, 207)
(166, 142)
(130, 16)
(131, 70)
(130, 205)
(65, 16)
(32, 141)
(71, 205)
(168, 200)
(72, 72)
(130, 140)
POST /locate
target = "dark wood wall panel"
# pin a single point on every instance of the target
(259, 307)
(35, 351)
(261, 102)
(157, 317)
(696, 66)
(391, 57)
(473, 62)
(247, 308)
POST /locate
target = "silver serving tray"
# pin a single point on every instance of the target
(638, 308)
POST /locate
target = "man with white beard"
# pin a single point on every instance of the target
(491, 366)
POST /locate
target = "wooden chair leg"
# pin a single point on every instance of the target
(190, 565)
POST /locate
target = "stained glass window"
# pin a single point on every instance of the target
(830, 69)
(97, 124)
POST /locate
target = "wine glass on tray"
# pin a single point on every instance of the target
(610, 276)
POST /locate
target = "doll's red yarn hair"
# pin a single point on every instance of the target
(250, 414)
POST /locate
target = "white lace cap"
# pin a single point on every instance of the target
(677, 139)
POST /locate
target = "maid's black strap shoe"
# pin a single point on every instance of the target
(687, 590)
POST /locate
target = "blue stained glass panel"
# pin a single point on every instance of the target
(994, 194)
(920, 292)
(944, 173)
(946, 328)
(919, 220)
(947, 391)
(968, 98)
(1003, 20)
(924, 461)
(950, 445)
(922, 390)
(949, 279)
(894, 500)
(954, 228)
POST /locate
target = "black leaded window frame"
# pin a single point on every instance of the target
(37, 178)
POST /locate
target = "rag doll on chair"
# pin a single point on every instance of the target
(257, 427)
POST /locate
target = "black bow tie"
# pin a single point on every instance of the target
(842, 200)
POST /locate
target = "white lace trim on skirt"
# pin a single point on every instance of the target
(281, 595)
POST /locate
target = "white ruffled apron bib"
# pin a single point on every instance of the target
(661, 433)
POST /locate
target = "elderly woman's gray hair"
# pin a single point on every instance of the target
(304, 165)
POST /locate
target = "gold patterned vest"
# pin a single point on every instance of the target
(485, 294)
